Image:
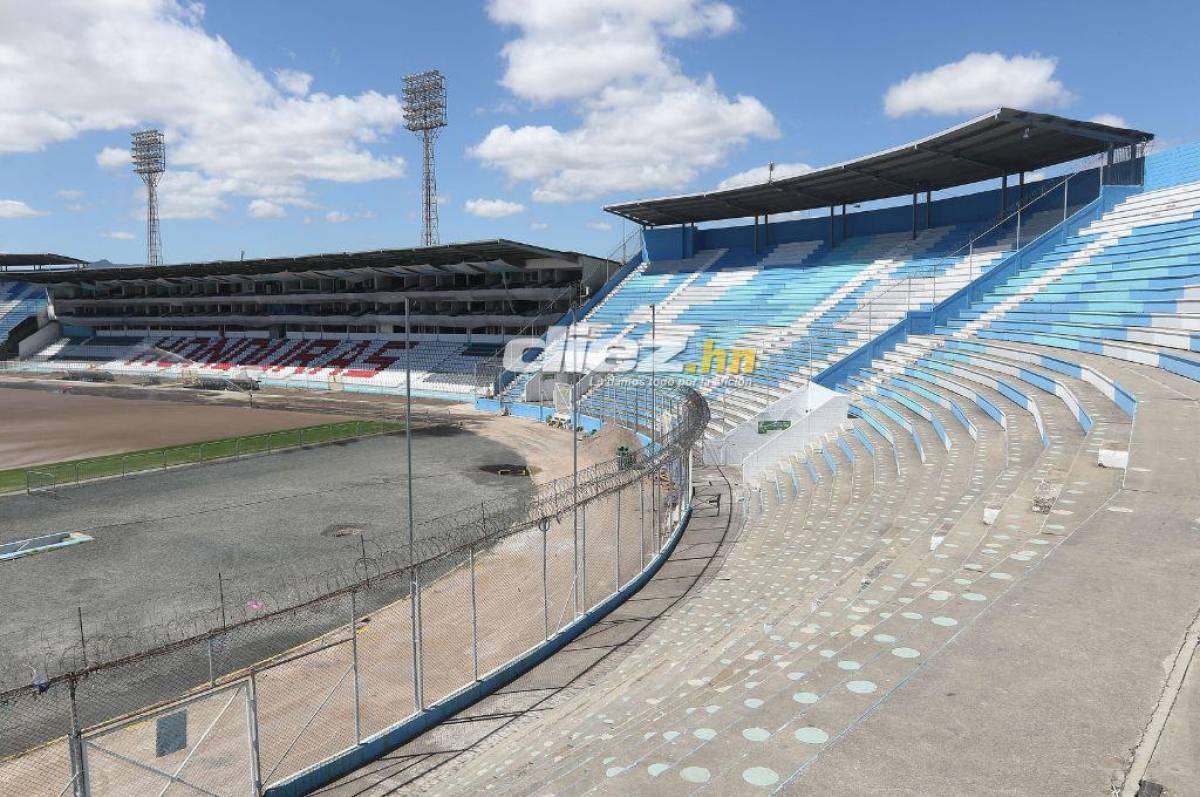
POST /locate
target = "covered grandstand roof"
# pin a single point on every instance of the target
(473, 257)
(8, 261)
(1005, 141)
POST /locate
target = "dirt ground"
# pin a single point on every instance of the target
(38, 427)
(616, 534)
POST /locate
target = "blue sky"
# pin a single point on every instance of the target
(285, 135)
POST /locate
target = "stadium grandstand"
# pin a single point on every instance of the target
(19, 300)
(928, 587)
(748, 314)
(920, 491)
(330, 321)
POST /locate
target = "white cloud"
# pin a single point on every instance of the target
(188, 195)
(15, 209)
(337, 216)
(573, 50)
(225, 120)
(293, 81)
(112, 158)
(68, 193)
(264, 209)
(117, 235)
(602, 226)
(643, 123)
(1110, 119)
(493, 208)
(759, 174)
(538, 225)
(979, 82)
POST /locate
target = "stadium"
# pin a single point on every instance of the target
(877, 478)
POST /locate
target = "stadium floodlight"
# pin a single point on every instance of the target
(425, 114)
(149, 162)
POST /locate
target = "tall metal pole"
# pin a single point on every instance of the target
(575, 455)
(414, 586)
(425, 115)
(354, 664)
(79, 774)
(653, 399)
(654, 423)
(617, 545)
(429, 227)
(474, 622)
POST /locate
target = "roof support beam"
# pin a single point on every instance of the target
(814, 197)
(877, 176)
(999, 168)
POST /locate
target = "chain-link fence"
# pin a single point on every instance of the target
(272, 691)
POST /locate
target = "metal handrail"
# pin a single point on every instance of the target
(931, 272)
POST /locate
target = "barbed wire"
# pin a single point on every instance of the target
(245, 602)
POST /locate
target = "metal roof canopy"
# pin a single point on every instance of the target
(424, 259)
(1005, 141)
(8, 261)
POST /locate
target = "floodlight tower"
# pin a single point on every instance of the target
(425, 114)
(149, 163)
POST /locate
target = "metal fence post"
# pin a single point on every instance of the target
(474, 621)
(79, 777)
(545, 527)
(583, 590)
(414, 598)
(252, 725)
(354, 664)
(642, 520)
(212, 679)
(617, 545)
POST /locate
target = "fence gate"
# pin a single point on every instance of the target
(41, 481)
(203, 745)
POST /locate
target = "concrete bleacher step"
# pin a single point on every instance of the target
(610, 721)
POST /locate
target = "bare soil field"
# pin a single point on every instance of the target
(38, 426)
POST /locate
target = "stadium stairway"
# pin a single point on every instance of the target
(18, 301)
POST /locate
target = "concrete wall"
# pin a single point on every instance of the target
(39, 340)
(813, 411)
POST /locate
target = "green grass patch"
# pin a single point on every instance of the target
(193, 453)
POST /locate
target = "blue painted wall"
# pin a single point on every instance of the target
(1173, 167)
